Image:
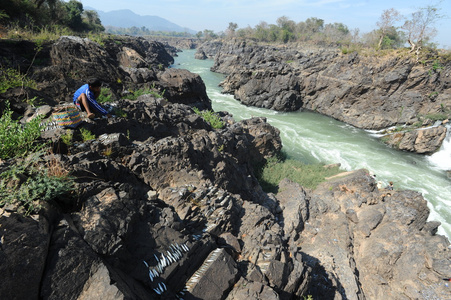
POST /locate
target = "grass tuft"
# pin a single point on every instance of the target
(210, 117)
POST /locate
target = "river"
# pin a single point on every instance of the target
(314, 138)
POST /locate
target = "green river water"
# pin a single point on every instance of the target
(313, 138)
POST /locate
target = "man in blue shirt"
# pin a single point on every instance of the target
(85, 98)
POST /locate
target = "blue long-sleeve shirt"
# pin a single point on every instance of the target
(84, 89)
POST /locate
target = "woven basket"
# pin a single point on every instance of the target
(68, 116)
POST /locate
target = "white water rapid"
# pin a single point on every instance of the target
(311, 137)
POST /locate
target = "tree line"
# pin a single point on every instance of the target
(393, 30)
(37, 14)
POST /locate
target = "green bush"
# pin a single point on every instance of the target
(210, 117)
(86, 135)
(11, 78)
(307, 175)
(27, 186)
(67, 138)
(134, 95)
(18, 139)
(105, 95)
(119, 112)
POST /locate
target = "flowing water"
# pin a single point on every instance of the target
(313, 138)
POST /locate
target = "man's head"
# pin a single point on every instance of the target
(94, 84)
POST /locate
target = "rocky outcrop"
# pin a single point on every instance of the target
(365, 243)
(365, 91)
(423, 141)
(178, 43)
(124, 64)
(208, 50)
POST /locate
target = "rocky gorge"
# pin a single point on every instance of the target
(373, 92)
(168, 207)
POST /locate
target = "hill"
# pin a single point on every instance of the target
(126, 18)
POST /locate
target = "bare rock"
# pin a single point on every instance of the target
(24, 243)
(423, 141)
(217, 276)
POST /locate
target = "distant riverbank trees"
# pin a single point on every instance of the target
(286, 30)
(393, 31)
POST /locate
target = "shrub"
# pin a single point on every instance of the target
(307, 175)
(27, 186)
(86, 135)
(18, 139)
(152, 91)
(210, 117)
(134, 95)
(11, 78)
(119, 112)
(105, 95)
(67, 138)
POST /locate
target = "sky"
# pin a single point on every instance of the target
(216, 15)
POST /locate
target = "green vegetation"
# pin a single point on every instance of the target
(152, 91)
(11, 78)
(67, 138)
(210, 117)
(436, 117)
(135, 94)
(86, 135)
(18, 139)
(105, 95)
(307, 175)
(27, 185)
(108, 151)
(119, 112)
(49, 15)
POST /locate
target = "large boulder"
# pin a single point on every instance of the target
(423, 141)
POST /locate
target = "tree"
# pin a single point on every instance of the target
(286, 24)
(337, 33)
(231, 29)
(93, 21)
(420, 27)
(261, 31)
(74, 11)
(209, 34)
(386, 23)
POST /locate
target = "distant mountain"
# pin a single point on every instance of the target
(125, 18)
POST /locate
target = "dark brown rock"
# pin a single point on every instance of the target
(23, 252)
